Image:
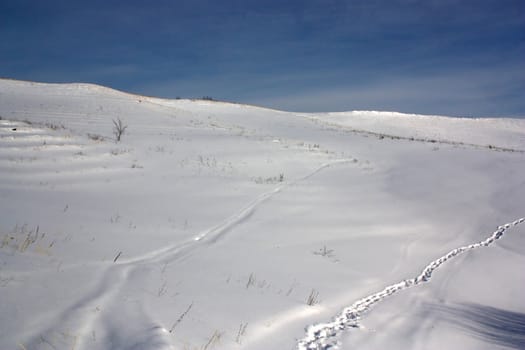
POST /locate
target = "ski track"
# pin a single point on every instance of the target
(79, 316)
(324, 336)
(215, 233)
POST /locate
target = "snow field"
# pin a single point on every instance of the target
(211, 224)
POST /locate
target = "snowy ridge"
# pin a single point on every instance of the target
(502, 134)
(323, 336)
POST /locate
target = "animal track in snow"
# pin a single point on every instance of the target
(324, 336)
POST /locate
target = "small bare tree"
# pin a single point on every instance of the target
(118, 129)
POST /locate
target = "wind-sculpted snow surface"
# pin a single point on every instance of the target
(108, 245)
(324, 336)
(115, 280)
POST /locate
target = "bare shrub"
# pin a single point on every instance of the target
(325, 252)
(251, 280)
(118, 129)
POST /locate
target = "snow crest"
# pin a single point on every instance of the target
(324, 336)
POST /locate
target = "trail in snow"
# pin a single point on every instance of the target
(78, 316)
(212, 235)
(324, 336)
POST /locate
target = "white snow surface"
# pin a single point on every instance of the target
(211, 224)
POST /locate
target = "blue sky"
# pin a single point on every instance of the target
(450, 57)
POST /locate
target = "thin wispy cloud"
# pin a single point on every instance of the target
(297, 55)
(472, 92)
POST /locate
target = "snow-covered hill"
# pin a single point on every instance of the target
(213, 225)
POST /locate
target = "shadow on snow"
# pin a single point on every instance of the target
(498, 326)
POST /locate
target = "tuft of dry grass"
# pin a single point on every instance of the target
(313, 298)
